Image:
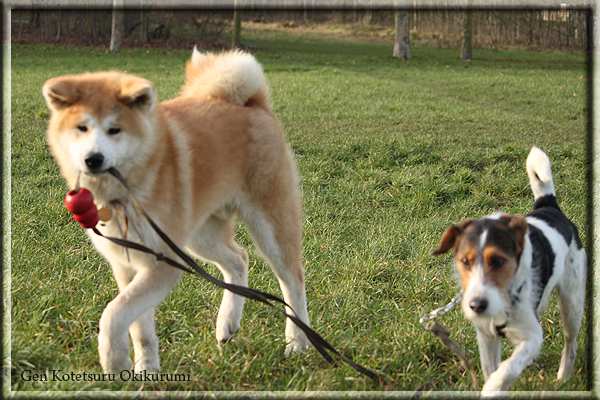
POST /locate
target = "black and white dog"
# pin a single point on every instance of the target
(508, 266)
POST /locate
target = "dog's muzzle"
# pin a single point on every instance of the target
(479, 305)
(94, 162)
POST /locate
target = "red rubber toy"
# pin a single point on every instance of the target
(80, 203)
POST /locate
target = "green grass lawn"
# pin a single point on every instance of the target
(390, 152)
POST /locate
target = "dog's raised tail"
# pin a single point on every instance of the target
(540, 174)
(233, 76)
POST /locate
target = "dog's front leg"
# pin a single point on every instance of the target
(510, 369)
(134, 303)
(145, 343)
(490, 352)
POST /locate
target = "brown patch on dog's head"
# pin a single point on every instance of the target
(494, 244)
(450, 236)
(499, 266)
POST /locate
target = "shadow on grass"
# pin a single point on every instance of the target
(361, 57)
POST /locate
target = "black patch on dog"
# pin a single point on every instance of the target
(514, 297)
(546, 201)
(546, 209)
(498, 235)
(542, 260)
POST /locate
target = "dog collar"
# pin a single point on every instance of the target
(500, 329)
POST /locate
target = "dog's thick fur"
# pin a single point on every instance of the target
(508, 266)
(194, 162)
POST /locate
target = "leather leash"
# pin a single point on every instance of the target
(428, 323)
(444, 335)
(322, 346)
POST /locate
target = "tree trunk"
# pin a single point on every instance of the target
(100, 20)
(368, 18)
(35, 18)
(305, 9)
(117, 26)
(58, 30)
(44, 24)
(91, 22)
(97, 24)
(237, 24)
(402, 45)
(144, 25)
(466, 52)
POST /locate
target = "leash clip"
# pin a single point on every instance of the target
(440, 312)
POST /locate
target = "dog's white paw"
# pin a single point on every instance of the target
(494, 385)
(115, 365)
(493, 393)
(114, 357)
(148, 364)
(226, 329)
(296, 345)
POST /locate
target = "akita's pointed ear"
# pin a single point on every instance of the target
(138, 93)
(449, 237)
(60, 93)
(518, 227)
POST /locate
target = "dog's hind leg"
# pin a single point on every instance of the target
(277, 233)
(571, 292)
(214, 242)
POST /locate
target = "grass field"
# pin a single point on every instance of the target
(390, 152)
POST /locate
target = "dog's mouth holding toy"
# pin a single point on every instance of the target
(500, 319)
(80, 203)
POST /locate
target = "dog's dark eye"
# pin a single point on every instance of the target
(497, 262)
(114, 131)
(82, 128)
(465, 262)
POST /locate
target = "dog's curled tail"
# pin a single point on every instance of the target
(233, 76)
(540, 173)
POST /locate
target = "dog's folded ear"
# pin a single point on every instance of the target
(138, 93)
(449, 237)
(60, 93)
(518, 227)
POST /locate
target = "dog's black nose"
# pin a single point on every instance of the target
(94, 161)
(478, 305)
